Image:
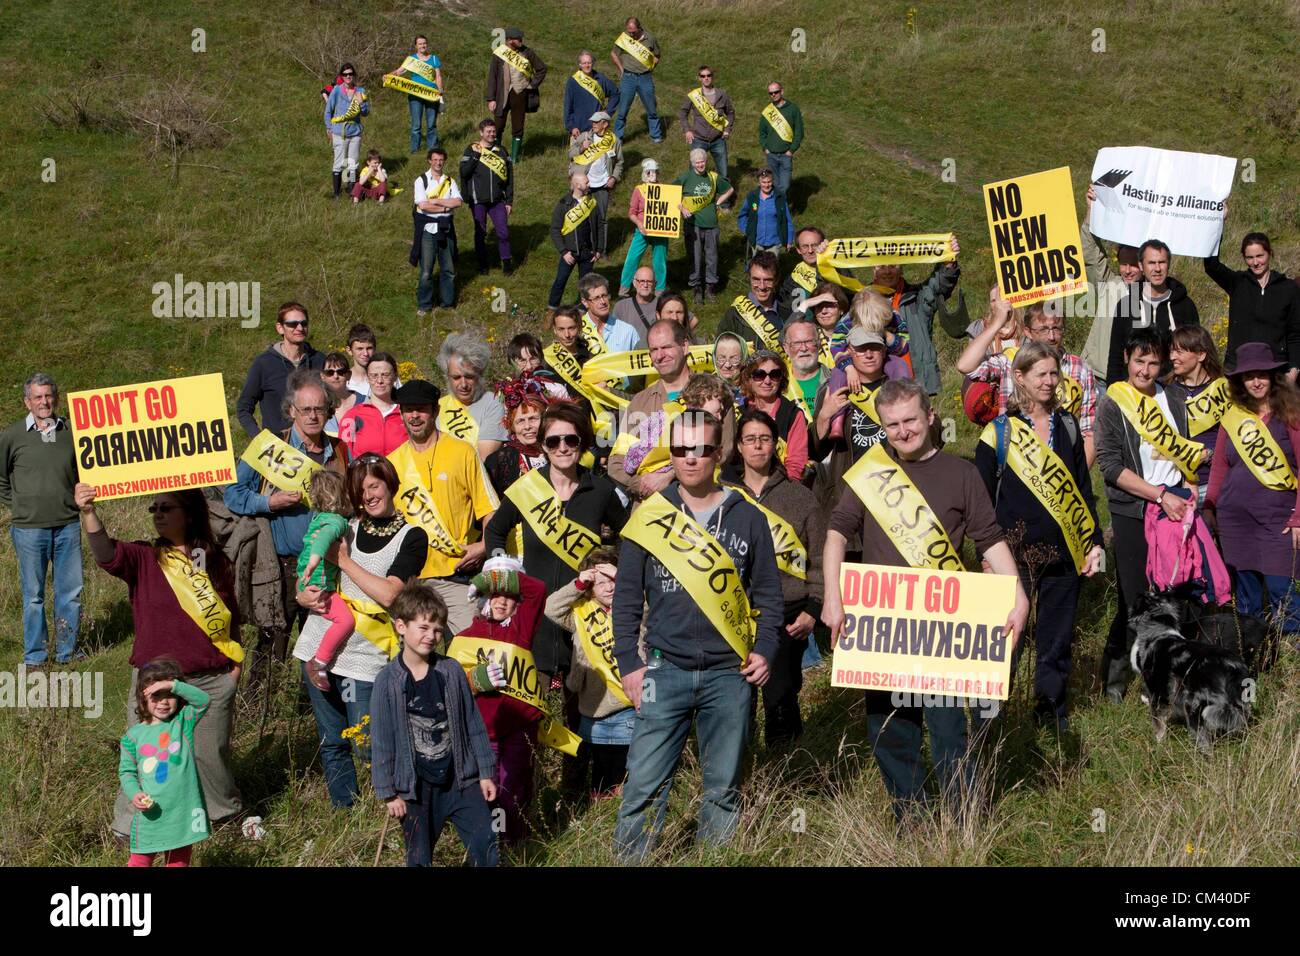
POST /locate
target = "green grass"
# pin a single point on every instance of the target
(1001, 91)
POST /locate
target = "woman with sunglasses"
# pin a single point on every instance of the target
(755, 472)
(763, 383)
(581, 496)
(379, 555)
(335, 376)
(374, 424)
(346, 104)
(167, 578)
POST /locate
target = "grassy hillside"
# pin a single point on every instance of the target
(213, 165)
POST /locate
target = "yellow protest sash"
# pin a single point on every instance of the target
(805, 276)
(764, 330)
(426, 71)
(695, 203)
(566, 365)
(1041, 470)
(1206, 409)
(1258, 448)
(865, 400)
(615, 366)
(596, 149)
(417, 506)
(282, 465)
(639, 51)
(780, 125)
(403, 85)
(591, 335)
(707, 109)
(454, 419)
(591, 85)
(515, 59)
(824, 354)
(353, 110)
(544, 512)
(791, 555)
(702, 566)
(578, 214)
(1069, 394)
(1149, 422)
(902, 512)
(658, 456)
(594, 629)
(887, 250)
(494, 162)
(374, 624)
(200, 601)
(523, 682)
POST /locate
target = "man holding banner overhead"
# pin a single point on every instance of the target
(946, 502)
(271, 480)
(515, 75)
(420, 78)
(698, 566)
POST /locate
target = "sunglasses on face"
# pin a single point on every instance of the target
(706, 76)
(762, 375)
(164, 509)
(773, 92)
(294, 323)
(334, 371)
(347, 74)
(369, 458)
(685, 451)
(553, 442)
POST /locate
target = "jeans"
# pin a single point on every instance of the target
(468, 813)
(423, 110)
(436, 246)
(344, 705)
(658, 259)
(1269, 596)
(782, 166)
(642, 85)
(704, 256)
(895, 735)
(37, 548)
(718, 150)
(562, 272)
(718, 701)
(812, 654)
(497, 213)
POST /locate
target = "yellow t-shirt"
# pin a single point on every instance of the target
(454, 477)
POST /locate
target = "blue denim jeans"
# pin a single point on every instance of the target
(426, 112)
(642, 85)
(782, 166)
(719, 702)
(436, 247)
(718, 150)
(896, 734)
(1271, 597)
(342, 706)
(37, 548)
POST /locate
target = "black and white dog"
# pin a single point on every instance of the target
(1188, 681)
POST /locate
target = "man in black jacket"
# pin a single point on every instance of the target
(693, 670)
(1157, 300)
(574, 235)
(264, 386)
(487, 179)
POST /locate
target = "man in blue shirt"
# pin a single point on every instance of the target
(580, 99)
(765, 218)
(618, 336)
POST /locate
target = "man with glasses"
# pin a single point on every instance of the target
(806, 370)
(617, 336)
(702, 195)
(763, 306)
(307, 409)
(638, 309)
(1044, 322)
(780, 134)
(436, 197)
(707, 116)
(265, 383)
(693, 671)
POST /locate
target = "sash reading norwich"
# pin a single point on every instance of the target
(702, 566)
(596, 149)
(589, 84)
(544, 512)
(454, 419)
(200, 601)
(495, 162)
(578, 214)
(1206, 409)
(1258, 449)
(594, 629)
(417, 506)
(282, 465)
(515, 59)
(778, 122)
(706, 109)
(523, 683)
(639, 51)
(880, 251)
(1144, 414)
(1041, 470)
(902, 512)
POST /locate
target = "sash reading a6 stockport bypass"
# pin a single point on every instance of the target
(155, 436)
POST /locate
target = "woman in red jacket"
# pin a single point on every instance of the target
(374, 426)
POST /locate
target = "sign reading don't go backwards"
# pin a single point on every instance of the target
(663, 217)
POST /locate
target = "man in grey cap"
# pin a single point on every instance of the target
(598, 153)
(515, 76)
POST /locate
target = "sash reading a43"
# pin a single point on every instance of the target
(284, 466)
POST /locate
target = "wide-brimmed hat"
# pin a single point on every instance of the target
(1255, 357)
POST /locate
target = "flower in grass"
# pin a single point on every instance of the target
(409, 371)
(356, 734)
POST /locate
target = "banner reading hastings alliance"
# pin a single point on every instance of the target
(1177, 197)
(917, 631)
(156, 436)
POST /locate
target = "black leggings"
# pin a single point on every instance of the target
(1130, 545)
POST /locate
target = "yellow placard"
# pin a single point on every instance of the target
(921, 632)
(1034, 233)
(663, 218)
(155, 436)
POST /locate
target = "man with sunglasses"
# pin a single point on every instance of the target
(693, 672)
(780, 134)
(265, 383)
(707, 116)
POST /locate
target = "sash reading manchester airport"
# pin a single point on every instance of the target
(924, 631)
(780, 125)
(200, 601)
(590, 84)
(596, 149)
(282, 465)
(1034, 232)
(753, 317)
(495, 162)
(544, 512)
(420, 84)
(1043, 473)
(702, 566)
(578, 214)
(707, 109)
(1206, 409)
(1144, 414)
(880, 251)
(155, 436)
(1258, 449)
(515, 59)
(523, 683)
(639, 51)
(791, 555)
(594, 629)
(902, 511)
(418, 507)
(454, 419)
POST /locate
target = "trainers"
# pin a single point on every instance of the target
(421, 313)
